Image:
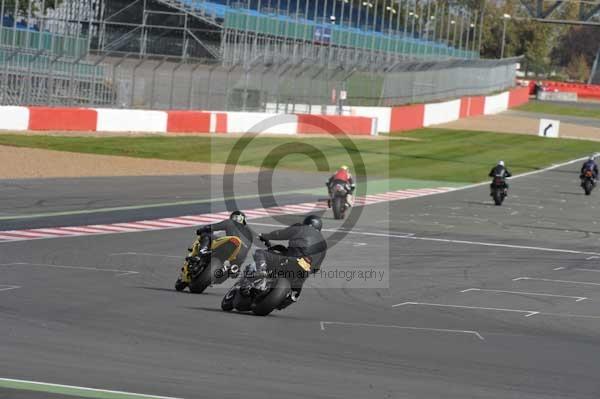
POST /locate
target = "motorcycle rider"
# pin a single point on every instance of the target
(234, 226)
(306, 246)
(590, 164)
(499, 171)
(344, 177)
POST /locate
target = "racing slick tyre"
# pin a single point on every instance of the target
(587, 187)
(201, 281)
(498, 197)
(338, 207)
(180, 285)
(227, 302)
(273, 299)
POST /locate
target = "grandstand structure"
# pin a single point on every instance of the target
(242, 54)
(377, 32)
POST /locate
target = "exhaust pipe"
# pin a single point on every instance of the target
(234, 269)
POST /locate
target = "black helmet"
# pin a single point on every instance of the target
(314, 221)
(238, 216)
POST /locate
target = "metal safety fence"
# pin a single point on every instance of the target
(28, 78)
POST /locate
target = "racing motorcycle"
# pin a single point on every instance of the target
(215, 266)
(499, 190)
(339, 200)
(262, 295)
(587, 182)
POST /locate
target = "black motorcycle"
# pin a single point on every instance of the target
(200, 271)
(338, 200)
(587, 182)
(499, 190)
(262, 295)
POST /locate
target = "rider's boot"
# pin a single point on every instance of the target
(350, 200)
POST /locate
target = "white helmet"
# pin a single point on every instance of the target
(591, 158)
(501, 163)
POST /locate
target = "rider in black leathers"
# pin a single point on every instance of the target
(499, 171)
(234, 226)
(305, 241)
(590, 164)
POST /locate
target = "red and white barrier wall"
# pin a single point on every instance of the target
(410, 117)
(361, 121)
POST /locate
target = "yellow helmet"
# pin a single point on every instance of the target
(344, 167)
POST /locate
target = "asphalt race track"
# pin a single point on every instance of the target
(483, 302)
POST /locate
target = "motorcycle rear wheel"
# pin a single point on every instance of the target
(273, 299)
(201, 282)
(498, 197)
(338, 208)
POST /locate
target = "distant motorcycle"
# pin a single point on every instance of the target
(499, 190)
(587, 182)
(262, 295)
(199, 271)
(339, 200)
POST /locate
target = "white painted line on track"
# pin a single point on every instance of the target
(9, 287)
(529, 313)
(442, 305)
(93, 269)
(586, 270)
(559, 268)
(577, 298)
(555, 281)
(412, 236)
(73, 390)
(592, 257)
(441, 330)
(146, 254)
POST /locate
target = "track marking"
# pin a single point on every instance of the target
(441, 305)
(94, 269)
(442, 330)
(72, 390)
(554, 281)
(185, 221)
(592, 257)
(559, 268)
(577, 298)
(586, 270)
(146, 254)
(412, 236)
(4, 287)
(529, 313)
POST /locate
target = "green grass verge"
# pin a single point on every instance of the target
(556, 109)
(439, 155)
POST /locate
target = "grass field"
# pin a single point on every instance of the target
(432, 154)
(556, 109)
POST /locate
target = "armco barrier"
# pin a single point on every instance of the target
(438, 113)
(129, 120)
(332, 124)
(14, 118)
(407, 117)
(65, 119)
